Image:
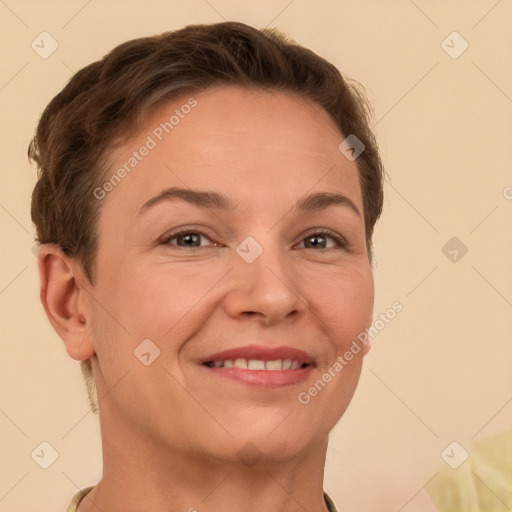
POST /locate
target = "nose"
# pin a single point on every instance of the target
(266, 288)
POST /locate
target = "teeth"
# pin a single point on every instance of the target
(240, 363)
(274, 365)
(257, 364)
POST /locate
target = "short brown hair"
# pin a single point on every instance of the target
(105, 103)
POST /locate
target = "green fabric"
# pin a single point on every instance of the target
(330, 504)
(78, 497)
(483, 483)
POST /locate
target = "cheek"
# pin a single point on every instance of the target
(344, 302)
(112, 344)
(165, 303)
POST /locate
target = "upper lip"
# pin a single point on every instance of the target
(260, 352)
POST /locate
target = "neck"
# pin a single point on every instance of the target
(139, 474)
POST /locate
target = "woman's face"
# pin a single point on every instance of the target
(210, 284)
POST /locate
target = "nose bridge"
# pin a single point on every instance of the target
(264, 282)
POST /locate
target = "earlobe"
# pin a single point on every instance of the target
(62, 297)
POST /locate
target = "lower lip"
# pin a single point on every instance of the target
(264, 378)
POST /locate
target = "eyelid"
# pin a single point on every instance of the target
(184, 231)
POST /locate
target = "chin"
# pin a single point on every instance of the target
(276, 444)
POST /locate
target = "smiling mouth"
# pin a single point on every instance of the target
(257, 364)
(260, 366)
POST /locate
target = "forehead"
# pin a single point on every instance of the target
(249, 141)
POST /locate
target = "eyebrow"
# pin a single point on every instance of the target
(216, 201)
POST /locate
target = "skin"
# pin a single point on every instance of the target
(171, 431)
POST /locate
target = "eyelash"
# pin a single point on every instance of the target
(340, 241)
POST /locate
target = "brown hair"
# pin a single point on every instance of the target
(105, 103)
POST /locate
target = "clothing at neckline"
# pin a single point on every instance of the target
(79, 496)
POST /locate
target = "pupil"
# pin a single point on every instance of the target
(316, 243)
(191, 237)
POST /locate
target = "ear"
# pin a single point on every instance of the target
(65, 300)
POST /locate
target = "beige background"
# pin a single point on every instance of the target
(440, 371)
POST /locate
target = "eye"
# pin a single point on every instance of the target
(319, 239)
(190, 239)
